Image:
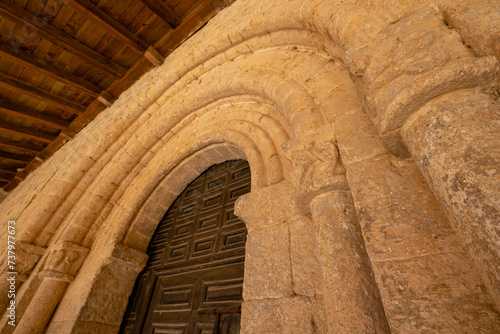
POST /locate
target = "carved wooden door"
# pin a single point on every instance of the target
(193, 280)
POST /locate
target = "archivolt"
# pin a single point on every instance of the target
(322, 26)
(283, 85)
(225, 132)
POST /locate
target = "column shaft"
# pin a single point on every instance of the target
(43, 304)
(352, 300)
(456, 143)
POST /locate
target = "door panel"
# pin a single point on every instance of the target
(194, 277)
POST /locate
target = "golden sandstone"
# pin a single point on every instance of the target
(372, 129)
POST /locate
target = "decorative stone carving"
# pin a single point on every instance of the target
(316, 165)
(27, 256)
(408, 64)
(64, 261)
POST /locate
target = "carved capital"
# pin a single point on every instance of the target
(27, 256)
(316, 164)
(64, 261)
(408, 64)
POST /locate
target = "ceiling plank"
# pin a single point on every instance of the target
(28, 61)
(21, 17)
(58, 101)
(93, 12)
(26, 132)
(164, 12)
(33, 115)
(22, 146)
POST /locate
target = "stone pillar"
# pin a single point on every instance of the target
(96, 301)
(61, 266)
(425, 278)
(43, 304)
(455, 140)
(27, 256)
(282, 286)
(352, 299)
(419, 85)
(352, 303)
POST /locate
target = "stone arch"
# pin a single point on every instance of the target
(353, 36)
(230, 130)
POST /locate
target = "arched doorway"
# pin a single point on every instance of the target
(194, 277)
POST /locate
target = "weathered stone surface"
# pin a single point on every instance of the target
(111, 282)
(352, 301)
(267, 206)
(436, 294)
(455, 141)
(306, 272)
(82, 327)
(44, 302)
(316, 165)
(408, 64)
(356, 136)
(399, 215)
(263, 73)
(284, 315)
(410, 239)
(27, 256)
(64, 259)
(478, 24)
(268, 276)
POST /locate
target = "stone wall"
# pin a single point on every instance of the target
(372, 133)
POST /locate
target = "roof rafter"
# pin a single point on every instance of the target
(33, 115)
(164, 12)
(21, 17)
(27, 132)
(10, 157)
(20, 145)
(109, 24)
(33, 63)
(58, 101)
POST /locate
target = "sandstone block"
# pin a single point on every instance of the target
(268, 276)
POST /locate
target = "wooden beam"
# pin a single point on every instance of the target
(58, 101)
(19, 16)
(28, 61)
(154, 56)
(33, 115)
(20, 145)
(106, 98)
(26, 132)
(6, 172)
(10, 157)
(164, 12)
(93, 12)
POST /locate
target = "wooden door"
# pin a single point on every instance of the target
(194, 277)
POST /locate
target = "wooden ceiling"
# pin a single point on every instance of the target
(64, 61)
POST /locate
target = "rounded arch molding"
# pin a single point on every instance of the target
(276, 76)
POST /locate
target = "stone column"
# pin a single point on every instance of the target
(455, 140)
(421, 90)
(61, 266)
(27, 256)
(352, 299)
(282, 287)
(96, 301)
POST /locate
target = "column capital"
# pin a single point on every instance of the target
(27, 256)
(63, 261)
(410, 63)
(316, 165)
